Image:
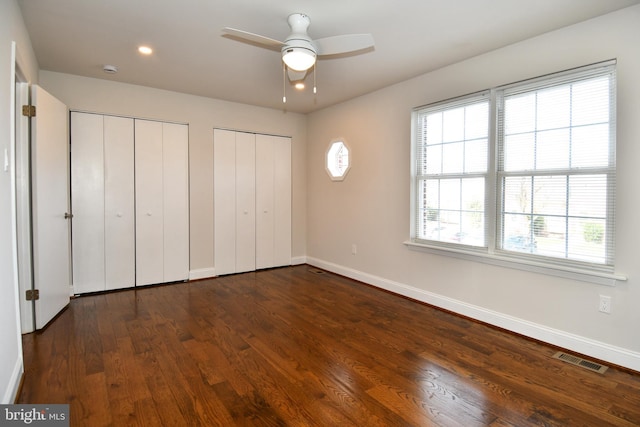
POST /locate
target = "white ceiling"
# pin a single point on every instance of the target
(191, 55)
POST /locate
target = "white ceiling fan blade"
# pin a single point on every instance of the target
(343, 44)
(256, 38)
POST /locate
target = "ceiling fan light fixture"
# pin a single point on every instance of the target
(298, 58)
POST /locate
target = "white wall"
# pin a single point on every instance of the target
(371, 207)
(12, 29)
(202, 115)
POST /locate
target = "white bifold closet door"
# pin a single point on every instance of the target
(119, 218)
(234, 156)
(162, 207)
(102, 194)
(245, 202)
(273, 201)
(252, 201)
(224, 204)
(175, 165)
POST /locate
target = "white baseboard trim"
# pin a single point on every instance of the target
(202, 273)
(207, 273)
(298, 260)
(576, 343)
(14, 383)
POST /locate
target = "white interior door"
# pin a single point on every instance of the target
(50, 169)
(87, 202)
(149, 203)
(224, 203)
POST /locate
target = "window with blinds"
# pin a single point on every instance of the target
(452, 165)
(556, 166)
(549, 194)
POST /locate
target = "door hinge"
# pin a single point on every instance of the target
(33, 295)
(29, 110)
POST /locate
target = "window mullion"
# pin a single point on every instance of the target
(492, 184)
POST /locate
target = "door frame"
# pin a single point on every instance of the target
(24, 249)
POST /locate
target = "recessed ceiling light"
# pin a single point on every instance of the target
(145, 50)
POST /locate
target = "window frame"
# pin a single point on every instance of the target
(450, 104)
(491, 251)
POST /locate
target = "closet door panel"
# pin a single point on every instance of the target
(119, 221)
(87, 201)
(175, 142)
(245, 202)
(265, 163)
(149, 203)
(224, 204)
(252, 196)
(282, 201)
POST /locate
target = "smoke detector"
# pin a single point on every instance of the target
(110, 69)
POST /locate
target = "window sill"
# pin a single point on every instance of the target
(598, 277)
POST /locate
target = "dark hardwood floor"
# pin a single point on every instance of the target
(291, 347)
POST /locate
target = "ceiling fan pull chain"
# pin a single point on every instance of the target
(315, 71)
(284, 83)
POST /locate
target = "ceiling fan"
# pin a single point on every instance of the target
(299, 51)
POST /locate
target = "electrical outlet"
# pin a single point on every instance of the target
(605, 304)
(354, 249)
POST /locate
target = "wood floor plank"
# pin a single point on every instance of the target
(298, 346)
(96, 412)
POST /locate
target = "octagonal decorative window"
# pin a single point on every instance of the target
(337, 160)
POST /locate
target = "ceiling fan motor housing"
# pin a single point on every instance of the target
(299, 40)
(290, 44)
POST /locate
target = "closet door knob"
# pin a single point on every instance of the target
(148, 213)
(119, 214)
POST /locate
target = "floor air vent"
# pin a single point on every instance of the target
(314, 271)
(587, 364)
